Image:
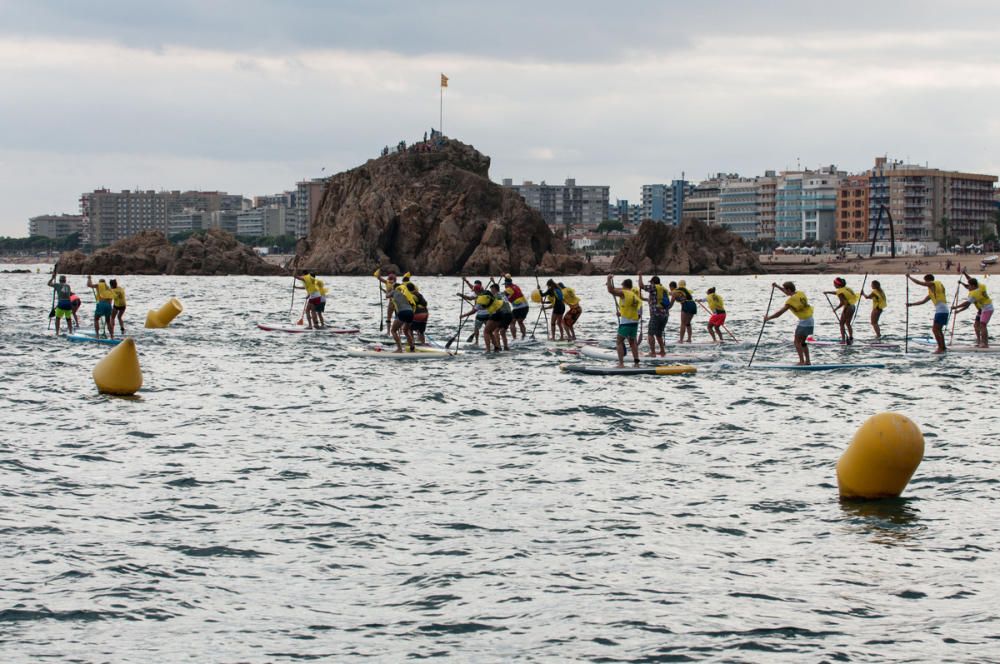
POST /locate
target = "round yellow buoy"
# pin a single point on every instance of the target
(536, 296)
(162, 316)
(881, 458)
(119, 373)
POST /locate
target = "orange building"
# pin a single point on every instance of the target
(852, 209)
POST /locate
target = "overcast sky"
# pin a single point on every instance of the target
(251, 96)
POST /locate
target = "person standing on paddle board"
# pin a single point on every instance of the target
(688, 309)
(482, 300)
(718, 314)
(501, 316)
(984, 309)
(64, 306)
(480, 312)
(404, 302)
(848, 303)
(104, 308)
(420, 313)
(937, 294)
(629, 304)
(118, 306)
(518, 306)
(312, 298)
(319, 306)
(660, 301)
(388, 284)
(570, 318)
(879, 303)
(798, 305)
(554, 295)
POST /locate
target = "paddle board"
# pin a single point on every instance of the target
(289, 327)
(391, 354)
(668, 370)
(80, 337)
(960, 348)
(607, 354)
(871, 345)
(819, 367)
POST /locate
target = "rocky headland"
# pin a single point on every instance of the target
(690, 248)
(431, 209)
(211, 252)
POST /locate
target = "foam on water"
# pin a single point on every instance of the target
(268, 498)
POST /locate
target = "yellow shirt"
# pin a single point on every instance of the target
(104, 292)
(495, 305)
(514, 300)
(569, 297)
(309, 283)
(715, 303)
(119, 294)
(628, 306)
(799, 305)
(979, 297)
(410, 297)
(878, 299)
(937, 293)
(849, 296)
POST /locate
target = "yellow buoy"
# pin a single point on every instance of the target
(881, 458)
(162, 316)
(536, 296)
(119, 373)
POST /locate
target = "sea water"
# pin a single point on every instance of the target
(266, 497)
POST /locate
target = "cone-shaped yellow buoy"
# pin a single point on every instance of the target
(536, 296)
(881, 458)
(162, 316)
(119, 373)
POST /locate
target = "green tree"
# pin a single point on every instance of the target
(945, 237)
(609, 225)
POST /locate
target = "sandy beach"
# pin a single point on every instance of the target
(941, 264)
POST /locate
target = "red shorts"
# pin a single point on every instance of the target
(717, 319)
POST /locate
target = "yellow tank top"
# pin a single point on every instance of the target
(104, 292)
(799, 305)
(309, 284)
(849, 295)
(937, 293)
(628, 306)
(878, 299)
(514, 300)
(979, 297)
(410, 297)
(569, 297)
(119, 294)
(715, 303)
(495, 305)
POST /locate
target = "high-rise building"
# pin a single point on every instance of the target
(738, 207)
(663, 202)
(309, 196)
(702, 203)
(567, 205)
(806, 205)
(266, 222)
(852, 209)
(187, 220)
(928, 204)
(111, 216)
(55, 226)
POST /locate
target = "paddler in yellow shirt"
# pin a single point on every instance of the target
(572, 314)
(118, 306)
(798, 305)
(312, 298)
(848, 304)
(717, 314)
(628, 304)
(105, 298)
(879, 303)
(937, 294)
(984, 309)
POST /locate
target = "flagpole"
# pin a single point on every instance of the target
(441, 113)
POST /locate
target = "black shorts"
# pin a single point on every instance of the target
(520, 314)
(559, 308)
(657, 325)
(406, 315)
(502, 318)
(689, 307)
(573, 314)
(319, 308)
(419, 326)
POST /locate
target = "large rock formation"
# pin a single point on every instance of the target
(430, 210)
(691, 248)
(212, 252)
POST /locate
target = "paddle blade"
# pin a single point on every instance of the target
(301, 321)
(52, 313)
(471, 337)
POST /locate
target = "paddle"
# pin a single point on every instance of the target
(541, 310)
(461, 307)
(858, 305)
(709, 312)
(291, 305)
(762, 325)
(52, 311)
(954, 314)
(906, 331)
(381, 296)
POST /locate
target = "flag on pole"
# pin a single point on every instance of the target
(444, 81)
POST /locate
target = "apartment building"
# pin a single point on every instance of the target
(664, 202)
(929, 204)
(267, 222)
(111, 216)
(567, 205)
(806, 205)
(852, 209)
(701, 203)
(55, 226)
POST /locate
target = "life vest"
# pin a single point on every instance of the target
(628, 306)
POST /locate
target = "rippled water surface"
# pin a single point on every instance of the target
(268, 498)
